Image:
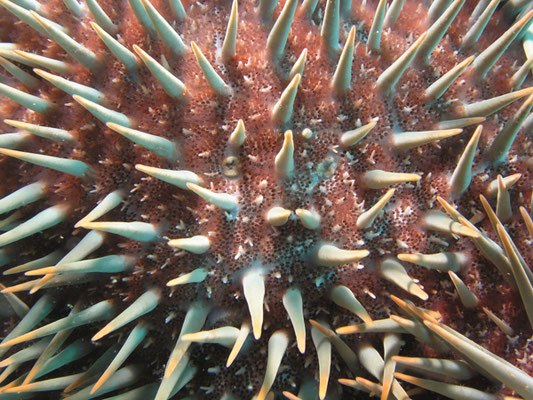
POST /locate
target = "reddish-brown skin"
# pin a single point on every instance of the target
(201, 126)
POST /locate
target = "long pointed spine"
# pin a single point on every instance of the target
(344, 297)
(53, 346)
(330, 27)
(198, 244)
(445, 389)
(11, 221)
(83, 55)
(437, 8)
(19, 74)
(225, 336)
(73, 352)
(328, 255)
(284, 160)
(484, 108)
(31, 5)
(158, 145)
(102, 113)
(36, 314)
(123, 378)
(436, 31)
(277, 38)
(243, 334)
(323, 349)
(254, 292)
(98, 312)
(379, 179)
(25, 15)
(225, 201)
(65, 165)
(293, 303)
(468, 298)
(95, 368)
(437, 89)
(230, 40)
(308, 8)
(492, 187)
(277, 345)
(106, 264)
(171, 84)
(478, 10)
(346, 353)
(391, 347)
(351, 138)
(25, 195)
(178, 10)
(27, 100)
(101, 17)
(366, 219)
(450, 368)
(520, 76)
(211, 75)
(521, 272)
(35, 60)
(462, 175)
(196, 276)
(444, 261)
(503, 202)
(282, 111)
(393, 12)
(299, 65)
(45, 385)
(374, 36)
(20, 308)
(74, 7)
(193, 322)
(478, 27)
(43, 220)
(394, 272)
(342, 78)
(168, 35)
(504, 140)
(527, 219)
(174, 382)
(55, 134)
(179, 178)
(496, 367)
(90, 242)
(136, 230)
(440, 222)
(134, 339)
(108, 203)
(238, 135)
(71, 87)
(266, 9)
(484, 61)
(408, 140)
(119, 51)
(142, 16)
(388, 78)
(13, 140)
(29, 353)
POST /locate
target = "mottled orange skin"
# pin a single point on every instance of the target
(201, 126)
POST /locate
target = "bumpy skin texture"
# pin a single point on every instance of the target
(327, 179)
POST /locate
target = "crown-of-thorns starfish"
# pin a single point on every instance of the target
(255, 200)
